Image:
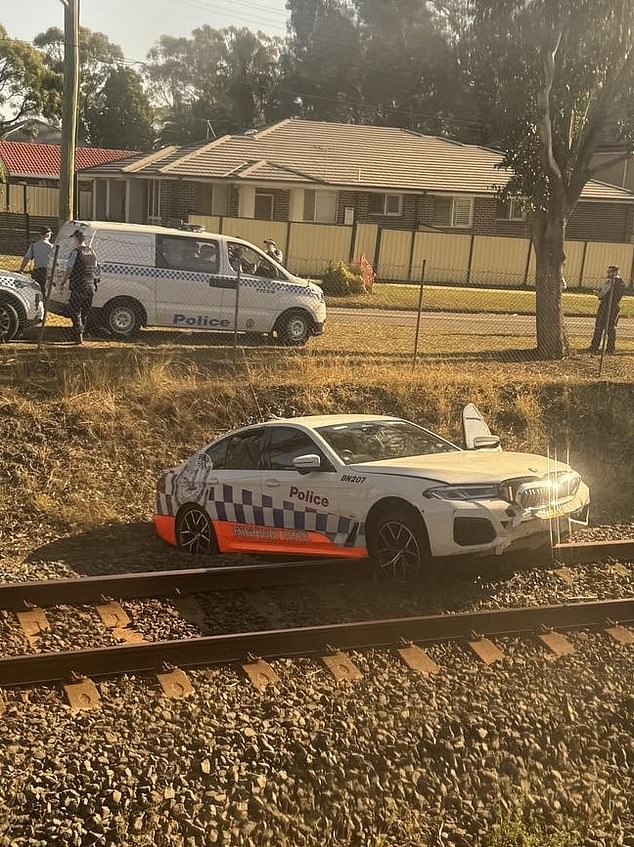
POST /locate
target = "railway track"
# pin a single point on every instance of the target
(474, 629)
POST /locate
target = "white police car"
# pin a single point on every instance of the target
(155, 276)
(365, 485)
(21, 304)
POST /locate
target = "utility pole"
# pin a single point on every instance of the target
(69, 114)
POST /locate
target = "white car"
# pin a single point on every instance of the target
(155, 276)
(21, 304)
(365, 485)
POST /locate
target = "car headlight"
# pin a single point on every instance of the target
(464, 492)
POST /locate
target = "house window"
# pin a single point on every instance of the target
(453, 212)
(154, 201)
(264, 206)
(510, 210)
(462, 212)
(320, 206)
(387, 205)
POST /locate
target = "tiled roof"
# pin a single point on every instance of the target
(348, 155)
(24, 159)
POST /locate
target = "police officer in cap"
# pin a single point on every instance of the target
(610, 295)
(82, 270)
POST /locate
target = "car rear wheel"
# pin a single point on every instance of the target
(9, 322)
(398, 547)
(123, 318)
(194, 532)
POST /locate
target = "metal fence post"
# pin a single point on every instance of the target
(420, 312)
(235, 326)
(46, 294)
(412, 249)
(582, 269)
(470, 266)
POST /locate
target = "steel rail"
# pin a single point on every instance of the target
(16, 596)
(131, 586)
(586, 552)
(237, 647)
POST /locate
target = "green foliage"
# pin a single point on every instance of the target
(27, 86)
(515, 833)
(122, 117)
(342, 280)
(225, 77)
(98, 56)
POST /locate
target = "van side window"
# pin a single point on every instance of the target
(187, 254)
(251, 261)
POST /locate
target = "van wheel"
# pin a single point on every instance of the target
(293, 328)
(123, 318)
(9, 322)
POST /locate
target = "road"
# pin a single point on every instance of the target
(469, 324)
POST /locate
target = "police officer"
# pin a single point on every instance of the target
(39, 253)
(82, 270)
(274, 251)
(609, 295)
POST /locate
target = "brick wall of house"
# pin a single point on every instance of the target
(601, 222)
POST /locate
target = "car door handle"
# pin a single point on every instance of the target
(272, 483)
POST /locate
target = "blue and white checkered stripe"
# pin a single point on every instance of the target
(238, 505)
(214, 280)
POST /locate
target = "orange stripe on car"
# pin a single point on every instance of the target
(248, 538)
(165, 526)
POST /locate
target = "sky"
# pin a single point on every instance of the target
(136, 24)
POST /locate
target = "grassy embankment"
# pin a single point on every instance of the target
(86, 432)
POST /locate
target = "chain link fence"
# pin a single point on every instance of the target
(414, 320)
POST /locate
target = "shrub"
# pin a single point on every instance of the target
(341, 280)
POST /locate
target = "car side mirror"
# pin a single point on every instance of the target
(306, 464)
(486, 442)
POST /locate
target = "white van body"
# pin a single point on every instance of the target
(156, 276)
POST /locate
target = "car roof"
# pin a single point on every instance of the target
(315, 421)
(147, 229)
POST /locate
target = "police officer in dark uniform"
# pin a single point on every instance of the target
(82, 270)
(610, 295)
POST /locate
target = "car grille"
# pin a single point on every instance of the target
(532, 493)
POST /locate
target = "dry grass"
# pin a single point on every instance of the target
(86, 432)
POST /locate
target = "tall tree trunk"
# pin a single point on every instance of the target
(549, 233)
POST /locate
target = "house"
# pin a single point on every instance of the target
(29, 188)
(331, 173)
(34, 129)
(37, 166)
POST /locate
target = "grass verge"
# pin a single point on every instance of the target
(442, 298)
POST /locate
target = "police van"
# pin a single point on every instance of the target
(155, 276)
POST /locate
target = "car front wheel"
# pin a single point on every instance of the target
(294, 329)
(398, 547)
(194, 532)
(9, 322)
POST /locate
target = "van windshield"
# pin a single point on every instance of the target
(251, 261)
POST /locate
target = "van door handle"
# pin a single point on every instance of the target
(272, 483)
(213, 481)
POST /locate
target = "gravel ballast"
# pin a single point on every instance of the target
(414, 760)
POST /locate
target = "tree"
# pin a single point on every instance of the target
(97, 57)
(122, 117)
(322, 62)
(224, 78)
(410, 72)
(27, 87)
(551, 75)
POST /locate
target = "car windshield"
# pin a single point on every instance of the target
(372, 441)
